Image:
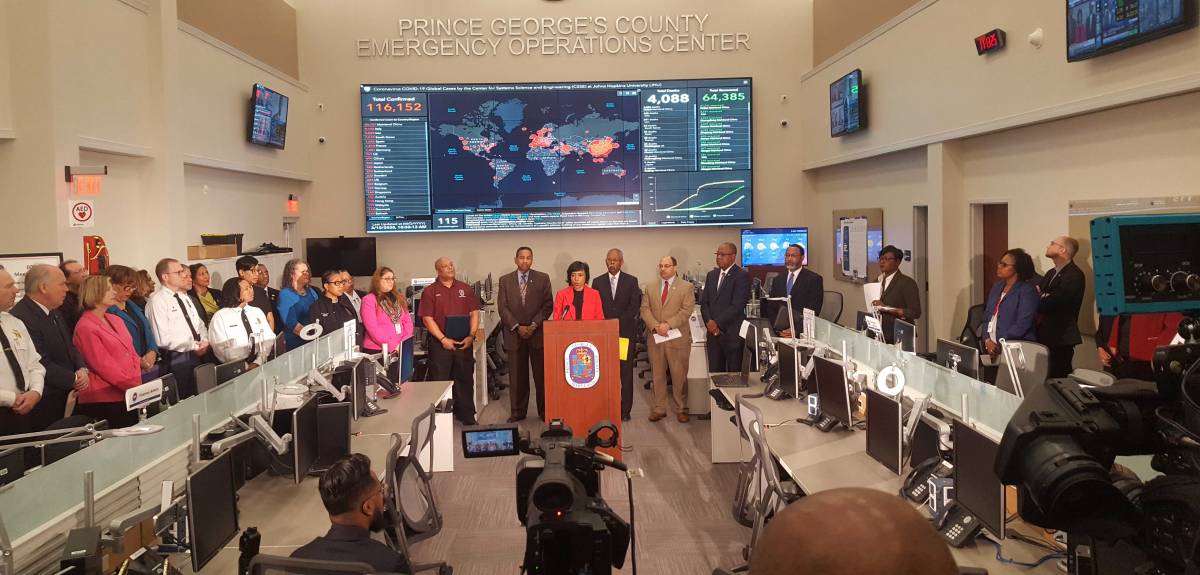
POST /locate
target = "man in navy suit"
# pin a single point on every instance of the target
(622, 301)
(45, 291)
(806, 286)
(723, 308)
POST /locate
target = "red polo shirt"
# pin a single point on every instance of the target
(439, 301)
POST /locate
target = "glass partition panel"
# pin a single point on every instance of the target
(49, 491)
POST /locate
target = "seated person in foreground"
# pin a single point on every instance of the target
(353, 496)
(851, 530)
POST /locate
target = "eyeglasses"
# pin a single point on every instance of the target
(887, 258)
(722, 253)
(1003, 265)
(387, 279)
(179, 272)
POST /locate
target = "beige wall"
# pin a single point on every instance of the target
(925, 83)
(264, 29)
(835, 26)
(260, 201)
(329, 31)
(5, 76)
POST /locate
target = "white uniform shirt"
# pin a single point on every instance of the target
(27, 358)
(167, 321)
(229, 339)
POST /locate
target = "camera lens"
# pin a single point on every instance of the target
(1072, 487)
(553, 496)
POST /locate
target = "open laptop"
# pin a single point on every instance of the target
(736, 379)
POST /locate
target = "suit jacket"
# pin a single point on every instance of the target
(564, 303)
(113, 364)
(725, 306)
(53, 342)
(539, 302)
(625, 306)
(902, 293)
(681, 301)
(1017, 311)
(1058, 310)
(808, 291)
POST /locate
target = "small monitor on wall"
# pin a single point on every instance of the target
(847, 114)
(268, 117)
(355, 255)
(1098, 27)
(767, 246)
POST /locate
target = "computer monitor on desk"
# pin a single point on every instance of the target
(12, 465)
(212, 509)
(959, 357)
(976, 488)
(905, 334)
(305, 437)
(228, 371)
(884, 437)
(833, 394)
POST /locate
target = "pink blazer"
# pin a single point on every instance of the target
(379, 326)
(112, 363)
(565, 300)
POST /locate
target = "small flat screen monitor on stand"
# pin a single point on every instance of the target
(212, 509)
(884, 437)
(305, 437)
(959, 357)
(833, 396)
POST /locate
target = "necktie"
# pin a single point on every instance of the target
(883, 285)
(666, 285)
(612, 280)
(524, 287)
(187, 316)
(12, 361)
(721, 280)
(791, 280)
(250, 333)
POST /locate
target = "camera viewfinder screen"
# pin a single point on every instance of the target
(490, 442)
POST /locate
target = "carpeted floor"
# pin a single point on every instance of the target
(682, 504)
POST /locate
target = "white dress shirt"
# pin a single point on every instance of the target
(229, 339)
(355, 300)
(27, 358)
(167, 321)
(612, 283)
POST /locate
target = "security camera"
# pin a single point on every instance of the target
(321, 139)
(783, 123)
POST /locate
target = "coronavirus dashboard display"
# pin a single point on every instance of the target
(468, 157)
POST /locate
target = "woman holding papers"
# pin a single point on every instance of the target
(899, 296)
(577, 301)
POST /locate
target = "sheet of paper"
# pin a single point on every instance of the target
(671, 334)
(696, 324)
(872, 292)
(745, 329)
(623, 348)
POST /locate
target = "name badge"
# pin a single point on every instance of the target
(397, 326)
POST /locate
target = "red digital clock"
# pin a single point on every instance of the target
(990, 42)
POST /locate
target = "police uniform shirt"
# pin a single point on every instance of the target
(171, 328)
(230, 340)
(27, 357)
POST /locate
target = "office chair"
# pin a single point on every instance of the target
(280, 347)
(1093, 377)
(777, 494)
(1032, 372)
(408, 492)
(750, 481)
(831, 306)
(263, 564)
(206, 377)
(972, 331)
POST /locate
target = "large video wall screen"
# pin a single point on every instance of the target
(467, 157)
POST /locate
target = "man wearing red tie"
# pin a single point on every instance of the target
(524, 301)
(666, 306)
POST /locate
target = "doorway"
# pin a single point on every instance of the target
(989, 233)
(920, 271)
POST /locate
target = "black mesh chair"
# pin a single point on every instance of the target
(972, 331)
(412, 509)
(831, 306)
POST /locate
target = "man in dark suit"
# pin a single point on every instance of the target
(524, 302)
(70, 309)
(723, 308)
(1061, 291)
(899, 298)
(45, 290)
(622, 301)
(806, 286)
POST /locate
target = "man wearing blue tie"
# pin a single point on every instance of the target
(723, 308)
(806, 287)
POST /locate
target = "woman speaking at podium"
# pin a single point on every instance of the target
(577, 301)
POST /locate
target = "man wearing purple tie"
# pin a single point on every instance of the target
(524, 301)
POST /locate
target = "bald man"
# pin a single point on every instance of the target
(451, 356)
(1061, 291)
(851, 530)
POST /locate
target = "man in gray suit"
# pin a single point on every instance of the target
(666, 305)
(524, 302)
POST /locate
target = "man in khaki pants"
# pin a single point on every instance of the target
(666, 305)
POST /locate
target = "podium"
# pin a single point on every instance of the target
(583, 375)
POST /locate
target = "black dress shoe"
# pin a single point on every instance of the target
(647, 385)
(625, 417)
(470, 421)
(514, 419)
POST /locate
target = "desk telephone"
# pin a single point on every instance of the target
(775, 387)
(959, 526)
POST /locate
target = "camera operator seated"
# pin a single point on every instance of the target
(851, 530)
(353, 496)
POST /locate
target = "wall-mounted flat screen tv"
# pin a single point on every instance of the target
(1098, 27)
(620, 154)
(847, 113)
(355, 255)
(766, 246)
(268, 117)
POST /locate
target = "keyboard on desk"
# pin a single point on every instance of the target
(730, 380)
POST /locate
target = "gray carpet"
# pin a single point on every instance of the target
(682, 504)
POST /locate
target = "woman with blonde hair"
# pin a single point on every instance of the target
(387, 320)
(107, 349)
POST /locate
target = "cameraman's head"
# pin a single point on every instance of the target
(852, 530)
(352, 493)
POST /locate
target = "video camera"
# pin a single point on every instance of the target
(1060, 446)
(569, 527)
